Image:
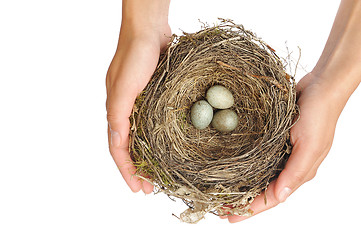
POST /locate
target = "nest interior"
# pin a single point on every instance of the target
(209, 170)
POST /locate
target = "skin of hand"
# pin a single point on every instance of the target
(144, 34)
(322, 94)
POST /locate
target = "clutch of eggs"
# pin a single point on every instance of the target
(224, 120)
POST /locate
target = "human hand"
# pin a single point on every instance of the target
(322, 94)
(311, 138)
(134, 62)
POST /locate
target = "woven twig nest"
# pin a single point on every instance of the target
(209, 170)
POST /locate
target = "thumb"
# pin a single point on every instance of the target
(299, 169)
(119, 106)
(120, 103)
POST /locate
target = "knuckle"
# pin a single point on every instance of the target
(112, 117)
(316, 146)
(299, 176)
(316, 150)
(311, 176)
(112, 152)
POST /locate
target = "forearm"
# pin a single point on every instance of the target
(143, 15)
(339, 66)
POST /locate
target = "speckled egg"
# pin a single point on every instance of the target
(225, 120)
(219, 97)
(201, 114)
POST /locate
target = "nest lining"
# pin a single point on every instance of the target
(212, 171)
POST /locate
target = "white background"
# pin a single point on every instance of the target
(57, 179)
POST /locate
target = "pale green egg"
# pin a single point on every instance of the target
(201, 114)
(225, 120)
(219, 97)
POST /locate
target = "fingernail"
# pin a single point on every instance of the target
(284, 194)
(114, 138)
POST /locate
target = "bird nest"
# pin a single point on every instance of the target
(209, 170)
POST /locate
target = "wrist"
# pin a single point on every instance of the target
(145, 21)
(339, 82)
(330, 92)
(143, 15)
(338, 67)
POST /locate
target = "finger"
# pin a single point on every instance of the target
(125, 165)
(147, 187)
(259, 204)
(312, 173)
(123, 161)
(297, 169)
(120, 107)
